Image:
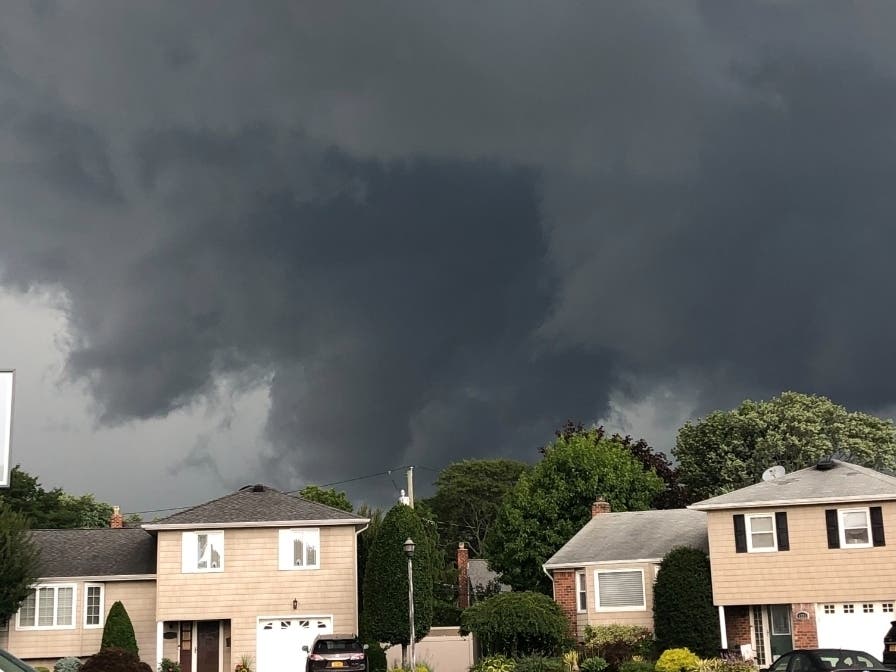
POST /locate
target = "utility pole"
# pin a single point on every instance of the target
(411, 486)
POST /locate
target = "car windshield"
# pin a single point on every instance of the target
(843, 659)
(9, 663)
(337, 646)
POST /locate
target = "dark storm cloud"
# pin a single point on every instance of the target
(439, 232)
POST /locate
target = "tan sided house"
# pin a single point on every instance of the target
(803, 560)
(605, 573)
(256, 573)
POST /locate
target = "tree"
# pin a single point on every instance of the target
(552, 501)
(19, 559)
(468, 497)
(683, 612)
(331, 497)
(728, 450)
(518, 624)
(52, 509)
(118, 633)
(386, 580)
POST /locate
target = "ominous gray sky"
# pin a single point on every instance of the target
(305, 242)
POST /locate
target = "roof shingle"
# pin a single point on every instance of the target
(633, 535)
(95, 552)
(256, 504)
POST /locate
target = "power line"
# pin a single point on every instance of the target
(388, 472)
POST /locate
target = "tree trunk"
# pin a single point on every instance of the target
(405, 663)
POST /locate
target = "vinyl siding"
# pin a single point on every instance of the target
(809, 571)
(251, 585)
(138, 597)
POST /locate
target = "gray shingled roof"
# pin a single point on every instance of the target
(843, 483)
(97, 552)
(633, 535)
(479, 574)
(255, 504)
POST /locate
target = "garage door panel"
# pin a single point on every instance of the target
(279, 641)
(854, 625)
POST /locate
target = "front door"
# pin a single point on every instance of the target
(207, 646)
(780, 636)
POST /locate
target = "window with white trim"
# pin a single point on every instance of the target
(202, 552)
(855, 528)
(887, 607)
(761, 536)
(300, 548)
(619, 590)
(848, 608)
(829, 609)
(49, 606)
(93, 605)
(581, 592)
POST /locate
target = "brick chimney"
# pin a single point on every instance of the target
(600, 506)
(463, 576)
(117, 519)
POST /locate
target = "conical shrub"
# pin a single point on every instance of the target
(118, 632)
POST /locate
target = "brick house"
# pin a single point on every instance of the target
(256, 573)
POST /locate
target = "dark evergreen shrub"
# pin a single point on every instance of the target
(119, 631)
(683, 612)
(113, 659)
(518, 624)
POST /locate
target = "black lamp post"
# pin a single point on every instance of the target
(409, 547)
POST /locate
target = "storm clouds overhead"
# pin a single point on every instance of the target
(305, 242)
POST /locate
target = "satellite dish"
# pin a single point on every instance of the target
(772, 473)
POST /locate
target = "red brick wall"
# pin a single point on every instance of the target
(737, 626)
(805, 633)
(463, 576)
(565, 596)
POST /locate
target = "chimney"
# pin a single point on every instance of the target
(117, 519)
(463, 576)
(600, 506)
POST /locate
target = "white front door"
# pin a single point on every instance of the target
(280, 640)
(854, 625)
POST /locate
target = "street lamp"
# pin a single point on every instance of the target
(409, 551)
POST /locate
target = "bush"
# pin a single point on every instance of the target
(69, 664)
(518, 624)
(593, 664)
(168, 665)
(118, 633)
(113, 659)
(683, 612)
(445, 613)
(617, 643)
(376, 656)
(539, 664)
(494, 664)
(638, 666)
(41, 668)
(722, 665)
(678, 660)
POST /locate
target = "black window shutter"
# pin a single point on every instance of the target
(830, 516)
(877, 526)
(781, 529)
(740, 533)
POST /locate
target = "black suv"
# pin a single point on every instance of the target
(342, 653)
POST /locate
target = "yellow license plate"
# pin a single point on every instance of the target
(336, 663)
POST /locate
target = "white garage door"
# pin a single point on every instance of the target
(280, 641)
(854, 625)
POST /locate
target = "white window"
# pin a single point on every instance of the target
(867, 608)
(48, 607)
(300, 548)
(887, 607)
(829, 609)
(582, 592)
(855, 528)
(761, 535)
(93, 605)
(202, 552)
(848, 608)
(619, 590)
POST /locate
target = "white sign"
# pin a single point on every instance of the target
(6, 389)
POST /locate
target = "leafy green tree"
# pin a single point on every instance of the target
(683, 612)
(518, 624)
(386, 617)
(118, 633)
(52, 509)
(468, 497)
(19, 559)
(365, 543)
(329, 496)
(728, 450)
(552, 501)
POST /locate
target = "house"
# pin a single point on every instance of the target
(256, 573)
(474, 578)
(605, 573)
(803, 560)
